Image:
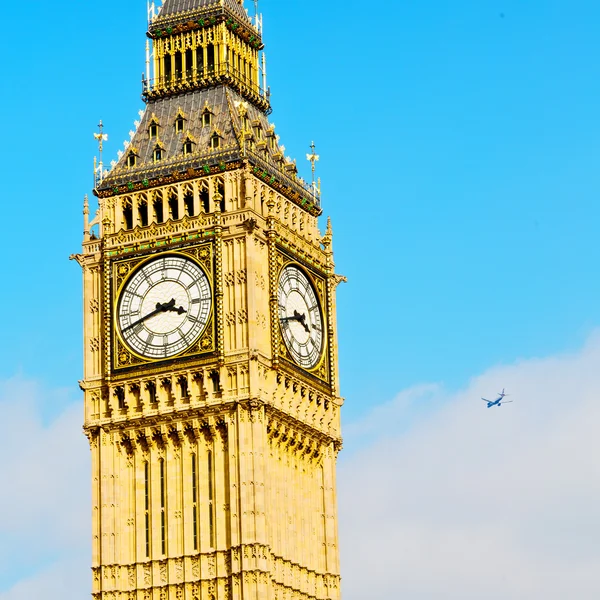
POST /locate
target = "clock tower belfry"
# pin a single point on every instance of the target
(211, 386)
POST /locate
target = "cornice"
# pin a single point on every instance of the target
(125, 180)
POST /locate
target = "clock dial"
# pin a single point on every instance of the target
(300, 317)
(164, 307)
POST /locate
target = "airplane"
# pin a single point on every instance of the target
(499, 401)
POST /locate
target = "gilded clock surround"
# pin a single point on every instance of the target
(320, 371)
(125, 357)
(213, 472)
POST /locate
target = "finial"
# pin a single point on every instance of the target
(313, 158)
(257, 18)
(100, 137)
(86, 218)
(327, 239)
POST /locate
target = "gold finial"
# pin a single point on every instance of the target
(100, 137)
(313, 158)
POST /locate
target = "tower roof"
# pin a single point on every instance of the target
(175, 11)
(244, 133)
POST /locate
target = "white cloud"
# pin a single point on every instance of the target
(470, 502)
(44, 482)
(440, 497)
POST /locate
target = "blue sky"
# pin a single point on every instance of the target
(459, 146)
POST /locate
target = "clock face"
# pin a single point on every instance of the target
(164, 307)
(300, 317)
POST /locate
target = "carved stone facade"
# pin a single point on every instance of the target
(213, 471)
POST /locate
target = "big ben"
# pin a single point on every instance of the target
(211, 386)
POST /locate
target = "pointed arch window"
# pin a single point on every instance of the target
(188, 145)
(179, 123)
(153, 128)
(215, 141)
(206, 118)
(131, 159)
(158, 154)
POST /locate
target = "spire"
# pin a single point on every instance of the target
(207, 106)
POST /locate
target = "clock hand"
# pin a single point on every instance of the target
(179, 310)
(167, 306)
(301, 318)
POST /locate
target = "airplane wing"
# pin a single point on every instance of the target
(486, 400)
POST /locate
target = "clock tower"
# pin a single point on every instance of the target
(211, 387)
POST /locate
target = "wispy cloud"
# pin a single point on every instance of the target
(44, 489)
(470, 502)
(440, 497)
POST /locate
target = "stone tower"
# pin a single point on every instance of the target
(211, 387)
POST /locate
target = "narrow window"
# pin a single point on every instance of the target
(211, 516)
(189, 64)
(167, 71)
(153, 130)
(188, 147)
(215, 141)
(128, 217)
(158, 211)
(163, 537)
(131, 160)
(195, 501)
(200, 61)
(188, 202)
(179, 123)
(206, 119)
(210, 58)
(174, 207)
(204, 199)
(143, 212)
(157, 154)
(147, 506)
(178, 65)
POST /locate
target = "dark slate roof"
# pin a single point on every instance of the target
(224, 104)
(221, 101)
(175, 7)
